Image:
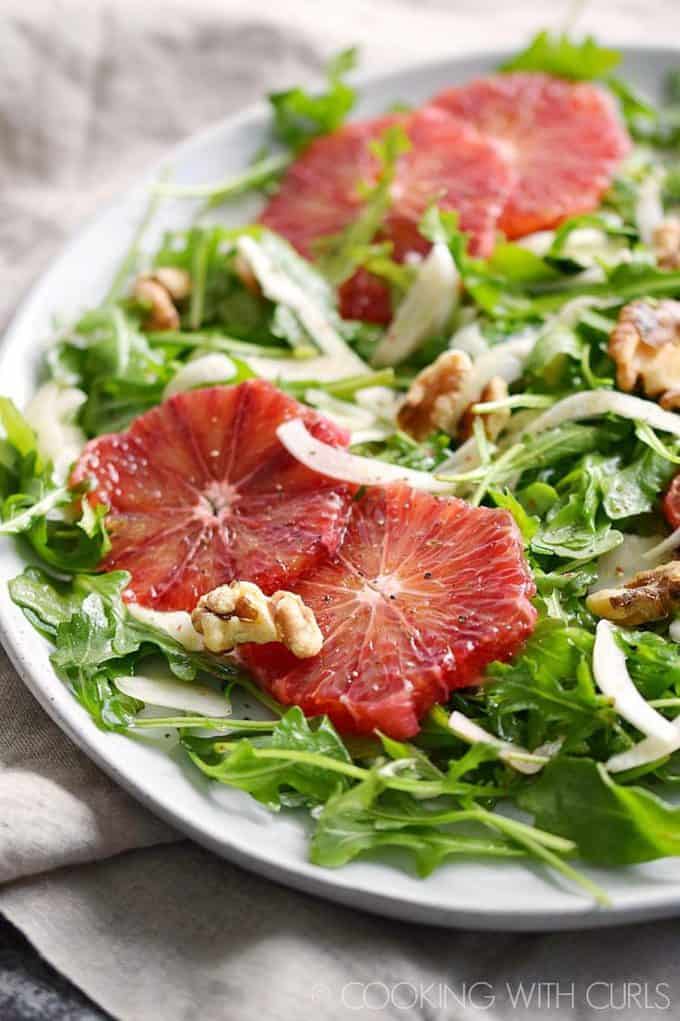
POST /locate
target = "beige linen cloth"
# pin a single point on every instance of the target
(90, 94)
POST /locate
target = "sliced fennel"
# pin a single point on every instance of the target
(591, 246)
(664, 548)
(591, 403)
(540, 242)
(208, 370)
(641, 754)
(470, 339)
(649, 207)
(175, 623)
(173, 694)
(505, 360)
(308, 300)
(514, 755)
(337, 463)
(612, 678)
(52, 416)
(382, 400)
(622, 563)
(426, 308)
(364, 425)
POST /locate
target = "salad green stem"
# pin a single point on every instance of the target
(131, 257)
(516, 401)
(211, 722)
(422, 788)
(214, 342)
(488, 819)
(539, 850)
(215, 193)
(344, 389)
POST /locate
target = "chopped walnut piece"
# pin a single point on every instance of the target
(649, 595)
(176, 281)
(494, 421)
(433, 400)
(645, 344)
(245, 274)
(240, 612)
(160, 290)
(666, 243)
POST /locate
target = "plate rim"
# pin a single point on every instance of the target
(325, 883)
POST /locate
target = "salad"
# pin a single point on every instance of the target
(397, 467)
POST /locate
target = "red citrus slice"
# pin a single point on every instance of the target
(320, 193)
(671, 503)
(200, 492)
(564, 139)
(422, 595)
(449, 162)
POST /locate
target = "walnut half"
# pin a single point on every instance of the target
(649, 595)
(494, 421)
(645, 344)
(160, 291)
(439, 399)
(240, 612)
(666, 243)
(432, 401)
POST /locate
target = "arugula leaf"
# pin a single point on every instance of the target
(351, 823)
(573, 528)
(604, 236)
(376, 258)
(562, 593)
(517, 265)
(276, 781)
(612, 824)
(660, 127)
(107, 355)
(569, 534)
(340, 255)
(526, 523)
(46, 603)
(555, 360)
(399, 448)
(560, 56)
(367, 818)
(653, 661)
(32, 502)
(552, 682)
(96, 640)
(21, 512)
(300, 116)
(636, 488)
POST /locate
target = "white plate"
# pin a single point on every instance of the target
(472, 894)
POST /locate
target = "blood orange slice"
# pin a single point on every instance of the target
(200, 491)
(449, 162)
(422, 595)
(564, 139)
(671, 503)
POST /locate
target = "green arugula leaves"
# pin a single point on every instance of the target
(612, 824)
(548, 690)
(561, 56)
(60, 526)
(96, 640)
(300, 116)
(341, 255)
